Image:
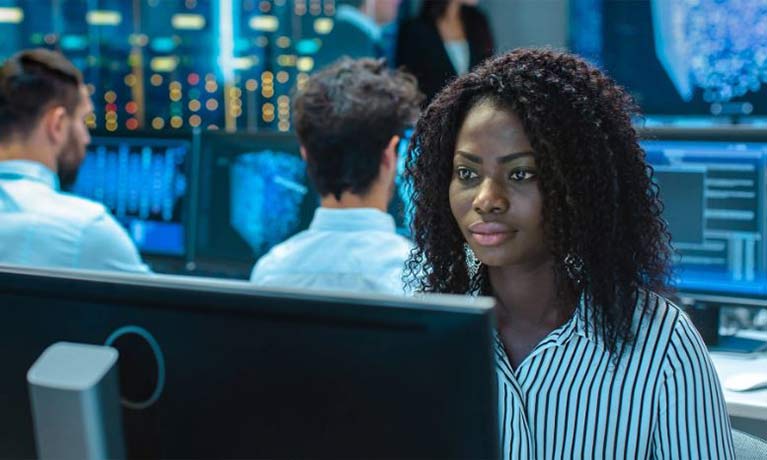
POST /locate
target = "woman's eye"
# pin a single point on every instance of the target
(465, 173)
(522, 175)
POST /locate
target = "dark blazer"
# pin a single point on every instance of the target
(421, 51)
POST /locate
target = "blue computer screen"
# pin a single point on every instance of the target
(401, 204)
(254, 194)
(144, 182)
(714, 196)
(702, 57)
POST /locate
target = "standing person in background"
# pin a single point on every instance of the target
(349, 118)
(357, 31)
(447, 39)
(43, 106)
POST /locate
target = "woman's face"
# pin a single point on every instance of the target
(494, 193)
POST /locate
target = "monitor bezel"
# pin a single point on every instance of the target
(201, 259)
(727, 134)
(168, 263)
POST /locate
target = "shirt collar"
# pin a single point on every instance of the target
(354, 16)
(352, 219)
(578, 324)
(583, 321)
(29, 170)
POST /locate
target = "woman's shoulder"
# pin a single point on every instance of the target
(655, 312)
(661, 322)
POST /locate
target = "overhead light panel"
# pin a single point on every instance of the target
(323, 26)
(305, 64)
(264, 23)
(103, 18)
(188, 21)
(11, 15)
(244, 63)
(164, 64)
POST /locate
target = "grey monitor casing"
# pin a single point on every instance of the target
(75, 400)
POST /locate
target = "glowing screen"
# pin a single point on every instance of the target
(267, 189)
(401, 205)
(679, 57)
(715, 196)
(143, 181)
(254, 194)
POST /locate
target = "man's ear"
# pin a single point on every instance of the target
(303, 153)
(389, 157)
(55, 124)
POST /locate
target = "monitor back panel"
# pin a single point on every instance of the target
(259, 375)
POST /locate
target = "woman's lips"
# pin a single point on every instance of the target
(490, 233)
(490, 239)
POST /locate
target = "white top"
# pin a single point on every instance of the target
(458, 52)
(41, 226)
(568, 399)
(343, 249)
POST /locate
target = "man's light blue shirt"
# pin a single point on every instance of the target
(41, 226)
(343, 249)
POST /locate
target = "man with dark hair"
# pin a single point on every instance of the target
(43, 106)
(348, 118)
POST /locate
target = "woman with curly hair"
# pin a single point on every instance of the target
(531, 187)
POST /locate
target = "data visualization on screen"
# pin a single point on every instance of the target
(714, 197)
(144, 182)
(254, 194)
(702, 57)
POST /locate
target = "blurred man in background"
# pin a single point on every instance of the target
(349, 118)
(43, 135)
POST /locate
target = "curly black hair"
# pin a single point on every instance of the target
(599, 201)
(346, 114)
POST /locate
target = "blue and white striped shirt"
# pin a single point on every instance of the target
(568, 399)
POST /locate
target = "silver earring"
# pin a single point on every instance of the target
(574, 267)
(472, 263)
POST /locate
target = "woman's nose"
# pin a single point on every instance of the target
(491, 198)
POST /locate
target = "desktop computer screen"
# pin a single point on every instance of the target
(144, 181)
(218, 369)
(254, 194)
(714, 193)
(702, 57)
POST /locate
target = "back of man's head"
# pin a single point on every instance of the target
(346, 115)
(31, 82)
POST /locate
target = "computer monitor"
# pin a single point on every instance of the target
(218, 369)
(145, 182)
(678, 57)
(254, 194)
(401, 205)
(714, 190)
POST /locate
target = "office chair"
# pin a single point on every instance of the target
(748, 447)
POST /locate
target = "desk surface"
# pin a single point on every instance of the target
(748, 404)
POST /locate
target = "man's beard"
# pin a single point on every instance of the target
(68, 161)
